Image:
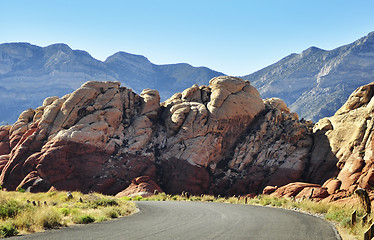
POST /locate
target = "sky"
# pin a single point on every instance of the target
(233, 37)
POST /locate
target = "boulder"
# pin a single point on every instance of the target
(295, 188)
(332, 185)
(141, 186)
(269, 190)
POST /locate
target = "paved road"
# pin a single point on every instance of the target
(200, 220)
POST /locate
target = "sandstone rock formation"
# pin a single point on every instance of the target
(141, 186)
(342, 155)
(217, 139)
(102, 136)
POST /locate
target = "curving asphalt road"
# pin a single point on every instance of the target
(200, 220)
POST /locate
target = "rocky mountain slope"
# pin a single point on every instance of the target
(316, 82)
(29, 74)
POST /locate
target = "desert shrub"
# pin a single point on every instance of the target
(208, 198)
(195, 198)
(336, 214)
(125, 198)
(50, 218)
(103, 202)
(113, 213)
(8, 230)
(137, 198)
(84, 219)
(314, 207)
(65, 211)
(21, 190)
(345, 222)
(9, 209)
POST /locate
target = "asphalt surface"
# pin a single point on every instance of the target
(200, 220)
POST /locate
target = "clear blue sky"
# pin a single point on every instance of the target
(234, 37)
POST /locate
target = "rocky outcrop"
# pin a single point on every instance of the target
(206, 139)
(201, 125)
(275, 150)
(141, 186)
(342, 155)
(217, 139)
(350, 136)
(299, 190)
(68, 142)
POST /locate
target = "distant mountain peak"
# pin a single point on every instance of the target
(120, 56)
(316, 82)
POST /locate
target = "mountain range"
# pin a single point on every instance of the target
(314, 83)
(29, 74)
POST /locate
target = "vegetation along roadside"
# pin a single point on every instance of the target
(22, 212)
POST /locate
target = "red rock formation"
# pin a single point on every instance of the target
(141, 186)
(4, 140)
(218, 139)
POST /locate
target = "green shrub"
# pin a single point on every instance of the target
(126, 198)
(65, 211)
(335, 214)
(103, 202)
(84, 219)
(112, 213)
(138, 198)
(8, 230)
(21, 190)
(10, 209)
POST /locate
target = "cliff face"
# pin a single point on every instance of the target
(221, 139)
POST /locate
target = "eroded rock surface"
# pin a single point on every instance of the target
(217, 139)
(342, 155)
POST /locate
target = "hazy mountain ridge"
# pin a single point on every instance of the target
(316, 82)
(29, 74)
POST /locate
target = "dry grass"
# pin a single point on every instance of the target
(22, 212)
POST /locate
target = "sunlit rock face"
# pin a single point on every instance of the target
(219, 139)
(349, 134)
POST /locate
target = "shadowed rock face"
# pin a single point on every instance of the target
(218, 139)
(342, 156)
